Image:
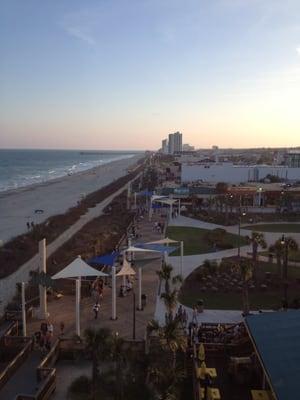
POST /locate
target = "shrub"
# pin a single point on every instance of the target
(80, 385)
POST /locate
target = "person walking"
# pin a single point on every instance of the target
(96, 308)
(62, 328)
(195, 315)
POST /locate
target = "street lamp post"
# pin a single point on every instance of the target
(241, 214)
(285, 270)
(133, 321)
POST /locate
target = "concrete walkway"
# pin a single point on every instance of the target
(211, 316)
(270, 237)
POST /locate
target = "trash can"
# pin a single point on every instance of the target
(144, 300)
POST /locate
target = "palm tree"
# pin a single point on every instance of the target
(171, 338)
(257, 240)
(119, 359)
(278, 248)
(170, 301)
(165, 274)
(98, 344)
(246, 269)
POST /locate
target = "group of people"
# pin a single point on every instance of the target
(30, 225)
(97, 294)
(43, 337)
(214, 333)
(126, 287)
(158, 227)
(182, 315)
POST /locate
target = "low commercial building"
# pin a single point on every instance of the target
(234, 173)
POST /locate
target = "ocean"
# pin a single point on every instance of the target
(19, 168)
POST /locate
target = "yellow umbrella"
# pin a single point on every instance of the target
(201, 352)
(202, 370)
(209, 393)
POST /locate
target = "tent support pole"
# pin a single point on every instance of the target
(23, 309)
(78, 295)
(140, 289)
(181, 257)
(113, 292)
(43, 314)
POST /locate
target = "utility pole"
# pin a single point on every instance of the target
(133, 324)
(284, 242)
(23, 309)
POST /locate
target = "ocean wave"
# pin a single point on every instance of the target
(30, 173)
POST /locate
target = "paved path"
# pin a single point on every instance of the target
(270, 237)
(24, 379)
(190, 263)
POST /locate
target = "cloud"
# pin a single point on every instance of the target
(81, 25)
(298, 50)
(80, 34)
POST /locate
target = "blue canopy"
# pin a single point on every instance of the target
(145, 193)
(106, 259)
(155, 205)
(157, 247)
(276, 336)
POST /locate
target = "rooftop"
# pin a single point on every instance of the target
(276, 337)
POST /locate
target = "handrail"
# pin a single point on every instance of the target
(45, 390)
(51, 358)
(13, 365)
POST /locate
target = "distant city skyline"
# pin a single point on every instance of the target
(123, 74)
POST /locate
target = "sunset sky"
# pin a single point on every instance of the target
(122, 74)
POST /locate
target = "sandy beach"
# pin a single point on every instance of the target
(17, 207)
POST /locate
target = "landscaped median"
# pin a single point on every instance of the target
(276, 228)
(221, 287)
(201, 241)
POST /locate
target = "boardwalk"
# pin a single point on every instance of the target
(24, 379)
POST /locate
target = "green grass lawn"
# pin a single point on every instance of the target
(195, 241)
(231, 300)
(280, 228)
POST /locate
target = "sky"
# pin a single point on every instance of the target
(123, 74)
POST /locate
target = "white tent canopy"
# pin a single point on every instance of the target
(167, 201)
(78, 268)
(156, 197)
(126, 269)
(139, 250)
(164, 241)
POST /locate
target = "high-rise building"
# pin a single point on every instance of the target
(175, 142)
(171, 143)
(293, 158)
(164, 146)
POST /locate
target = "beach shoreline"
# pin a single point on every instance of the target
(18, 206)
